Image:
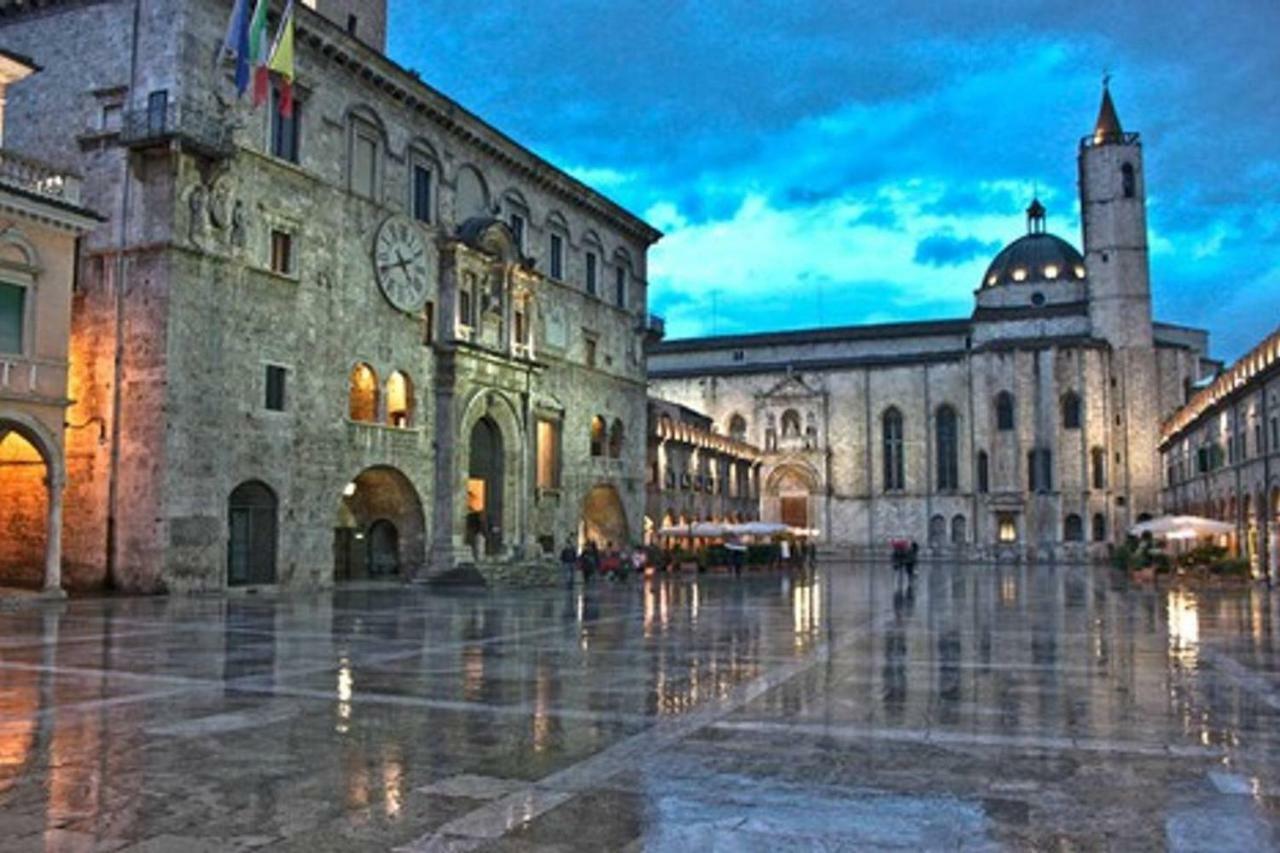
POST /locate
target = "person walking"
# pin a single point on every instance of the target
(590, 560)
(913, 554)
(737, 553)
(568, 561)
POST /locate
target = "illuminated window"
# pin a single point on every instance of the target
(548, 454)
(1051, 271)
(1079, 271)
(399, 401)
(363, 394)
(1019, 274)
(1007, 528)
(991, 280)
(598, 430)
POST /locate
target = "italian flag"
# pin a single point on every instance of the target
(281, 60)
(259, 52)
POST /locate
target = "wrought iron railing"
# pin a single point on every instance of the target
(40, 178)
(203, 129)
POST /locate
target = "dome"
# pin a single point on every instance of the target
(1036, 257)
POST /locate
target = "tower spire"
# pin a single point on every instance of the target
(1108, 127)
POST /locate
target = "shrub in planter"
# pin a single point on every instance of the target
(1230, 567)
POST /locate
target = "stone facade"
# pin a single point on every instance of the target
(697, 472)
(1026, 430)
(1221, 456)
(296, 345)
(42, 220)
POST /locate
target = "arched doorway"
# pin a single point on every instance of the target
(484, 487)
(604, 520)
(30, 507)
(789, 489)
(380, 531)
(251, 547)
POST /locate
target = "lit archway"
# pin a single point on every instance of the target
(380, 531)
(399, 400)
(27, 492)
(604, 520)
(362, 394)
(485, 481)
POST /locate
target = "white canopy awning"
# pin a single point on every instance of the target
(1182, 527)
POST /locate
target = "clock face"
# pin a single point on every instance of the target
(402, 263)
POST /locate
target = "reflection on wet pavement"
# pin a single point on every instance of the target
(982, 708)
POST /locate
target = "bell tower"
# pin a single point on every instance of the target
(364, 19)
(1113, 213)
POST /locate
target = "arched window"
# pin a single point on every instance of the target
(790, 424)
(399, 400)
(894, 467)
(1071, 410)
(1099, 527)
(738, 427)
(598, 430)
(958, 533)
(362, 403)
(1098, 457)
(948, 447)
(1128, 181)
(1004, 411)
(984, 473)
(1073, 528)
(937, 531)
(615, 439)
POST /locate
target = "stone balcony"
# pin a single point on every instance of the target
(379, 443)
(33, 380)
(32, 176)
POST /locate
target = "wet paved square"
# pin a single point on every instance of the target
(984, 708)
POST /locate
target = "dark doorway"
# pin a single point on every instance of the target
(384, 549)
(484, 486)
(251, 550)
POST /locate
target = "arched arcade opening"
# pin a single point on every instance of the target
(380, 532)
(604, 520)
(28, 501)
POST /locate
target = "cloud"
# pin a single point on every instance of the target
(788, 148)
(946, 250)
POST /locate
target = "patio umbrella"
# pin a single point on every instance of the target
(697, 530)
(1182, 527)
(759, 528)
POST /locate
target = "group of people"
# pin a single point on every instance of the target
(611, 563)
(905, 555)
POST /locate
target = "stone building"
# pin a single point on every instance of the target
(1029, 428)
(41, 220)
(1221, 455)
(696, 472)
(370, 339)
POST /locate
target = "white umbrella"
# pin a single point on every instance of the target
(759, 528)
(697, 530)
(1182, 527)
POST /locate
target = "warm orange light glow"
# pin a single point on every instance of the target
(399, 401)
(363, 401)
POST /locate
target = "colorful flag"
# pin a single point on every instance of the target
(259, 48)
(281, 61)
(236, 44)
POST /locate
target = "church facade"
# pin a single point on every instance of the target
(374, 338)
(1026, 430)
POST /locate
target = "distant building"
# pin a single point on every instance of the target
(1221, 455)
(367, 340)
(41, 221)
(1029, 428)
(697, 472)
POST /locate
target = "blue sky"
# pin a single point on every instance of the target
(828, 162)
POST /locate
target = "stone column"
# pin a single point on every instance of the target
(53, 545)
(443, 555)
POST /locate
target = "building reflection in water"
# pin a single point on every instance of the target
(345, 690)
(1184, 628)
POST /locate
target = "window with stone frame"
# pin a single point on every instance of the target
(286, 131)
(617, 434)
(557, 257)
(274, 390)
(620, 286)
(399, 400)
(589, 346)
(592, 263)
(282, 260)
(1040, 470)
(947, 445)
(1073, 528)
(1098, 466)
(362, 394)
(598, 435)
(984, 472)
(1071, 410)
(422, 185)
(363, 156)
(1099, 527)
(1005, 416)
(548, 450)
(13, 302)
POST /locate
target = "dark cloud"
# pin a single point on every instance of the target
(945, 250)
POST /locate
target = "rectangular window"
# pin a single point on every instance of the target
(520, 328)
(158, 111)
(13, 300)
(1275, 434)
(591, 273)
(281, 252)
(364, 163)
(548, 454)
(1008, 528)
(421, 193)
(620, 287)
(557, 257)
(589, 352)
(275, 388)
(112, 115)
(428, 323)
(517, 230)
(285, 132)
(464, 307)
